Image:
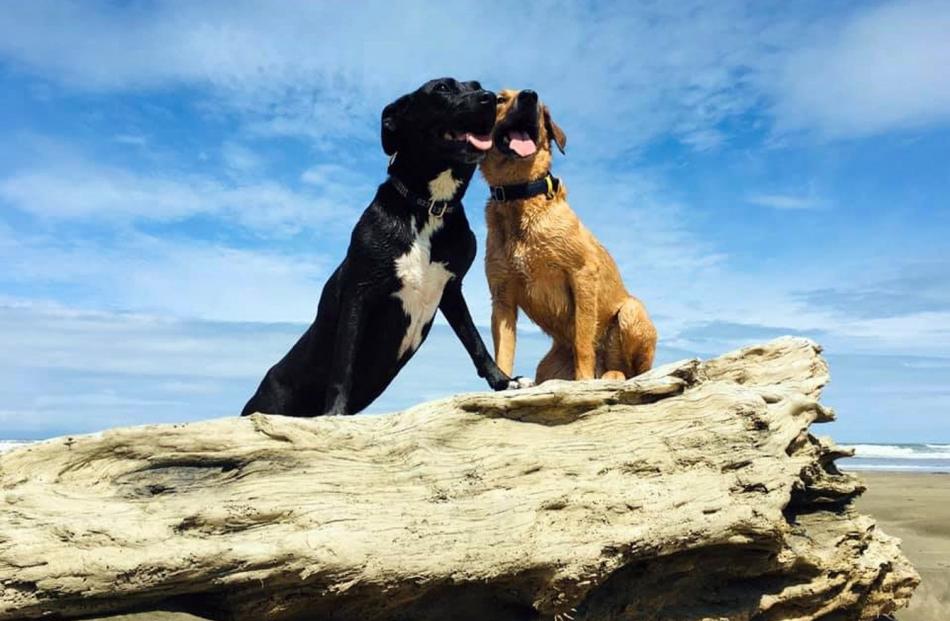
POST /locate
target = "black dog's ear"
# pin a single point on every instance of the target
(555, 132)
(392, 124)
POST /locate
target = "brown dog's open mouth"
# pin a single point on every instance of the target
(517, 135)
(482, 142)
(517, 142)
(521, 143)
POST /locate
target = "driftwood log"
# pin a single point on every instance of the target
(692, 492)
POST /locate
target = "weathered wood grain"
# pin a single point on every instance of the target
(692, 492)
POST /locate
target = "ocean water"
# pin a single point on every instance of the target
(6, 445)
(896, 457)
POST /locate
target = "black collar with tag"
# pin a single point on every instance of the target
(434, 207)
(547, 185)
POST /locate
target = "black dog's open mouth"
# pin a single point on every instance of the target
(468, 132)
(480, 141)
(517, 135)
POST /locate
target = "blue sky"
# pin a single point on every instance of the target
(178, 179)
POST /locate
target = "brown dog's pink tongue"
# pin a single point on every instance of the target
(521, 143)
(482, 142)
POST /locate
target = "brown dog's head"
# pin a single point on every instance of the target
(522, 139)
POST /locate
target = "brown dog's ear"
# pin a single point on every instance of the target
(392, 124)
(555, 132)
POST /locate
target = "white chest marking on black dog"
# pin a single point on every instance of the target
(443, 187)
(422, 283)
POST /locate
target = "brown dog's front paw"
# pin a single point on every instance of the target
(613, 375)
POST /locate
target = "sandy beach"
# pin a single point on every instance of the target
(916, 508)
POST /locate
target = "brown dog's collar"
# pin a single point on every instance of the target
(547, 185)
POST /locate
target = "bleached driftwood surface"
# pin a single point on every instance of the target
(692, 492)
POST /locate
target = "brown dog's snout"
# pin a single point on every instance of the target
(528, 97)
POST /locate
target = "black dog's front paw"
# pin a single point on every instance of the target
(520, 382)
(512, 383)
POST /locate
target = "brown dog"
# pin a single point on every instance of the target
(540, 258)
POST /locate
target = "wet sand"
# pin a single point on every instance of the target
(916, 508)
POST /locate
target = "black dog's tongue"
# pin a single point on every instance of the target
(482, 142)
(520, 142)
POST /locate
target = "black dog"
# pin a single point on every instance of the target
(407, 256)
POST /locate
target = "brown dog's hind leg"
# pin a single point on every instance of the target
(637, 336)
(612, 365)
(558, 363)
(612, 362)
(644, 360)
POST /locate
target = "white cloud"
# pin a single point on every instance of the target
(884, 69)
(323, 175)
(626, 73)
(683, 278)
(704, 139)
(925, 332)
(786, 201)
(70, 371)
(240, 158)
(39, 335)
(67, 371)
(84, 191)
(184, 278)
(135, 140)
(616, 77)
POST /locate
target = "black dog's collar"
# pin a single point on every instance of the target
(547, 185)
(434, 207)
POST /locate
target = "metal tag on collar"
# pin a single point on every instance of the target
(550, 182)
(498, 193)
(437, 208)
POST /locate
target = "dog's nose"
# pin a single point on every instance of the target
(527, 97)
(486, 97)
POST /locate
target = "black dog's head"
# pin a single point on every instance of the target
(444, 118)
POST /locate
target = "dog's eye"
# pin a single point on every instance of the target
(442, 87)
